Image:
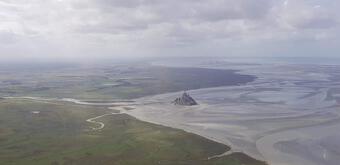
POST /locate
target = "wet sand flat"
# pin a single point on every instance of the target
(288, 116)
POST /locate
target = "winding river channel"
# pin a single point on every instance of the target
(289, 116)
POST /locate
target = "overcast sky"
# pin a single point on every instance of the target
(90, 29)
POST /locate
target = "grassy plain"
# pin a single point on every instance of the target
(60, 135)
(56, 133)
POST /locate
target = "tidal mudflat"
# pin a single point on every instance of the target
(54, 126)
(288, 116)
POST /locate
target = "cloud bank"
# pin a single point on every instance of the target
(71, 29)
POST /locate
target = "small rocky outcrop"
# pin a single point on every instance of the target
(185, 100)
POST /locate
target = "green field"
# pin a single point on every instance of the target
(56, 133)
(60, 135)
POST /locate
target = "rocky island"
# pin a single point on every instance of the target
(185, 100)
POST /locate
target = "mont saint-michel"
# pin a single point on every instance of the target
(176, 82)
(185, 100)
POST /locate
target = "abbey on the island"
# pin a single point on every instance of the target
(185, 100)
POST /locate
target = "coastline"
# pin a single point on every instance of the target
(136, 102)
(192, 131)
(98, 123)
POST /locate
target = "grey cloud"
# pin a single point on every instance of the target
(301, 15)
(126, 3)
(242, 9)
(317, 23)
(79, 25)
(213, 10)
(105, 28)
(7, 37)
(203, 17)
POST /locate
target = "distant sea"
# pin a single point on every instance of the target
(288, 60)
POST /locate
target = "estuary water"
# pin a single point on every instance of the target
(289, 116)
